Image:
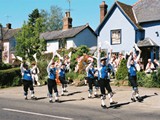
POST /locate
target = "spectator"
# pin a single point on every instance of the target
(150, 67)
(156, 64)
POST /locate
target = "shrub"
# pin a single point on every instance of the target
(149, 80)
(4, 66)
(10, 77)
(42, 65)
(141, 76)
(122, 71)
(71, 75)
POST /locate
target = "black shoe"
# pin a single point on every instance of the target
(50, 101)
(133, 100)
(33, 98)
(104, 106)
(26, 98)
(62, 94)
(95, 95)
(112, 103)
(139, 99)
(57, 100)
(65, 91)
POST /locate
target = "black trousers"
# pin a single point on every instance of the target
(27, 84)
(104, 84)
(133, 81)
(91, 83)
(52, 85)
(63, 81)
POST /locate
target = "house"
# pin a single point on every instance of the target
(69, 36)
(124, 25)
(9, 43)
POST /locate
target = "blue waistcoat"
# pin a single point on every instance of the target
(62, 73)
(52, 73)
(103, 72)
(132, 70)
(27, 75)
(90, 73)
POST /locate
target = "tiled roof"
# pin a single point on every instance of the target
(54, 35)
(146, 43)
(127, 9)
(9, 33)
(147, 10)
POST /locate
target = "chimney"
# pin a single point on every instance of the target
(67, 21)
(103, 10)
(8, 25)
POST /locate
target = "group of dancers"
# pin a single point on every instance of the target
(98, 76)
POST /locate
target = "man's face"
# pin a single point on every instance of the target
(132, 62)
(63, 66)
(26, 67)
(53, 65)
(103, 62)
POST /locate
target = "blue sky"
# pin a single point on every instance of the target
(82, 11)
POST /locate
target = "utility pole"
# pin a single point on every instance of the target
(1, 42)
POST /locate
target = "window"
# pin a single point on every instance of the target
(115, 37)
(62, 43)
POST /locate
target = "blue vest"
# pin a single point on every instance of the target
(52, 73)
(90, 73)
(62, 73)
(27, 75)
(132, 70)
(103, 72)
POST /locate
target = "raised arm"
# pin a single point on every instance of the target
(129, 60)
(35, 57)
(87, 68)
(59, 56)
(108, 57)
(69, 55)
(50, 63)
(137, 49)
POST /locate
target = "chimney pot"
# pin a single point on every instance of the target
(103, 10)
(67, 21)
(8, 25)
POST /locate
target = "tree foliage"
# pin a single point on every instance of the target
(122, 71)
(28, 40)
(33, 17)
(52, 19)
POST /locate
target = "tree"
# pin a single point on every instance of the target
(122, 71)
(33, 17)
(28, 41)
(52, 19)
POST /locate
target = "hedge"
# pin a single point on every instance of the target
(10, 77)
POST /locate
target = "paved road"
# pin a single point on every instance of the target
(72, 107)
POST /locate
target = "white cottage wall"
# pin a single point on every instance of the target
(118, 21)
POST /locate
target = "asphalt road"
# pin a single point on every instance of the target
(74, 108)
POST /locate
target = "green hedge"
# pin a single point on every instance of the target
(4, 66)
(149, 80)
(10, 77)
